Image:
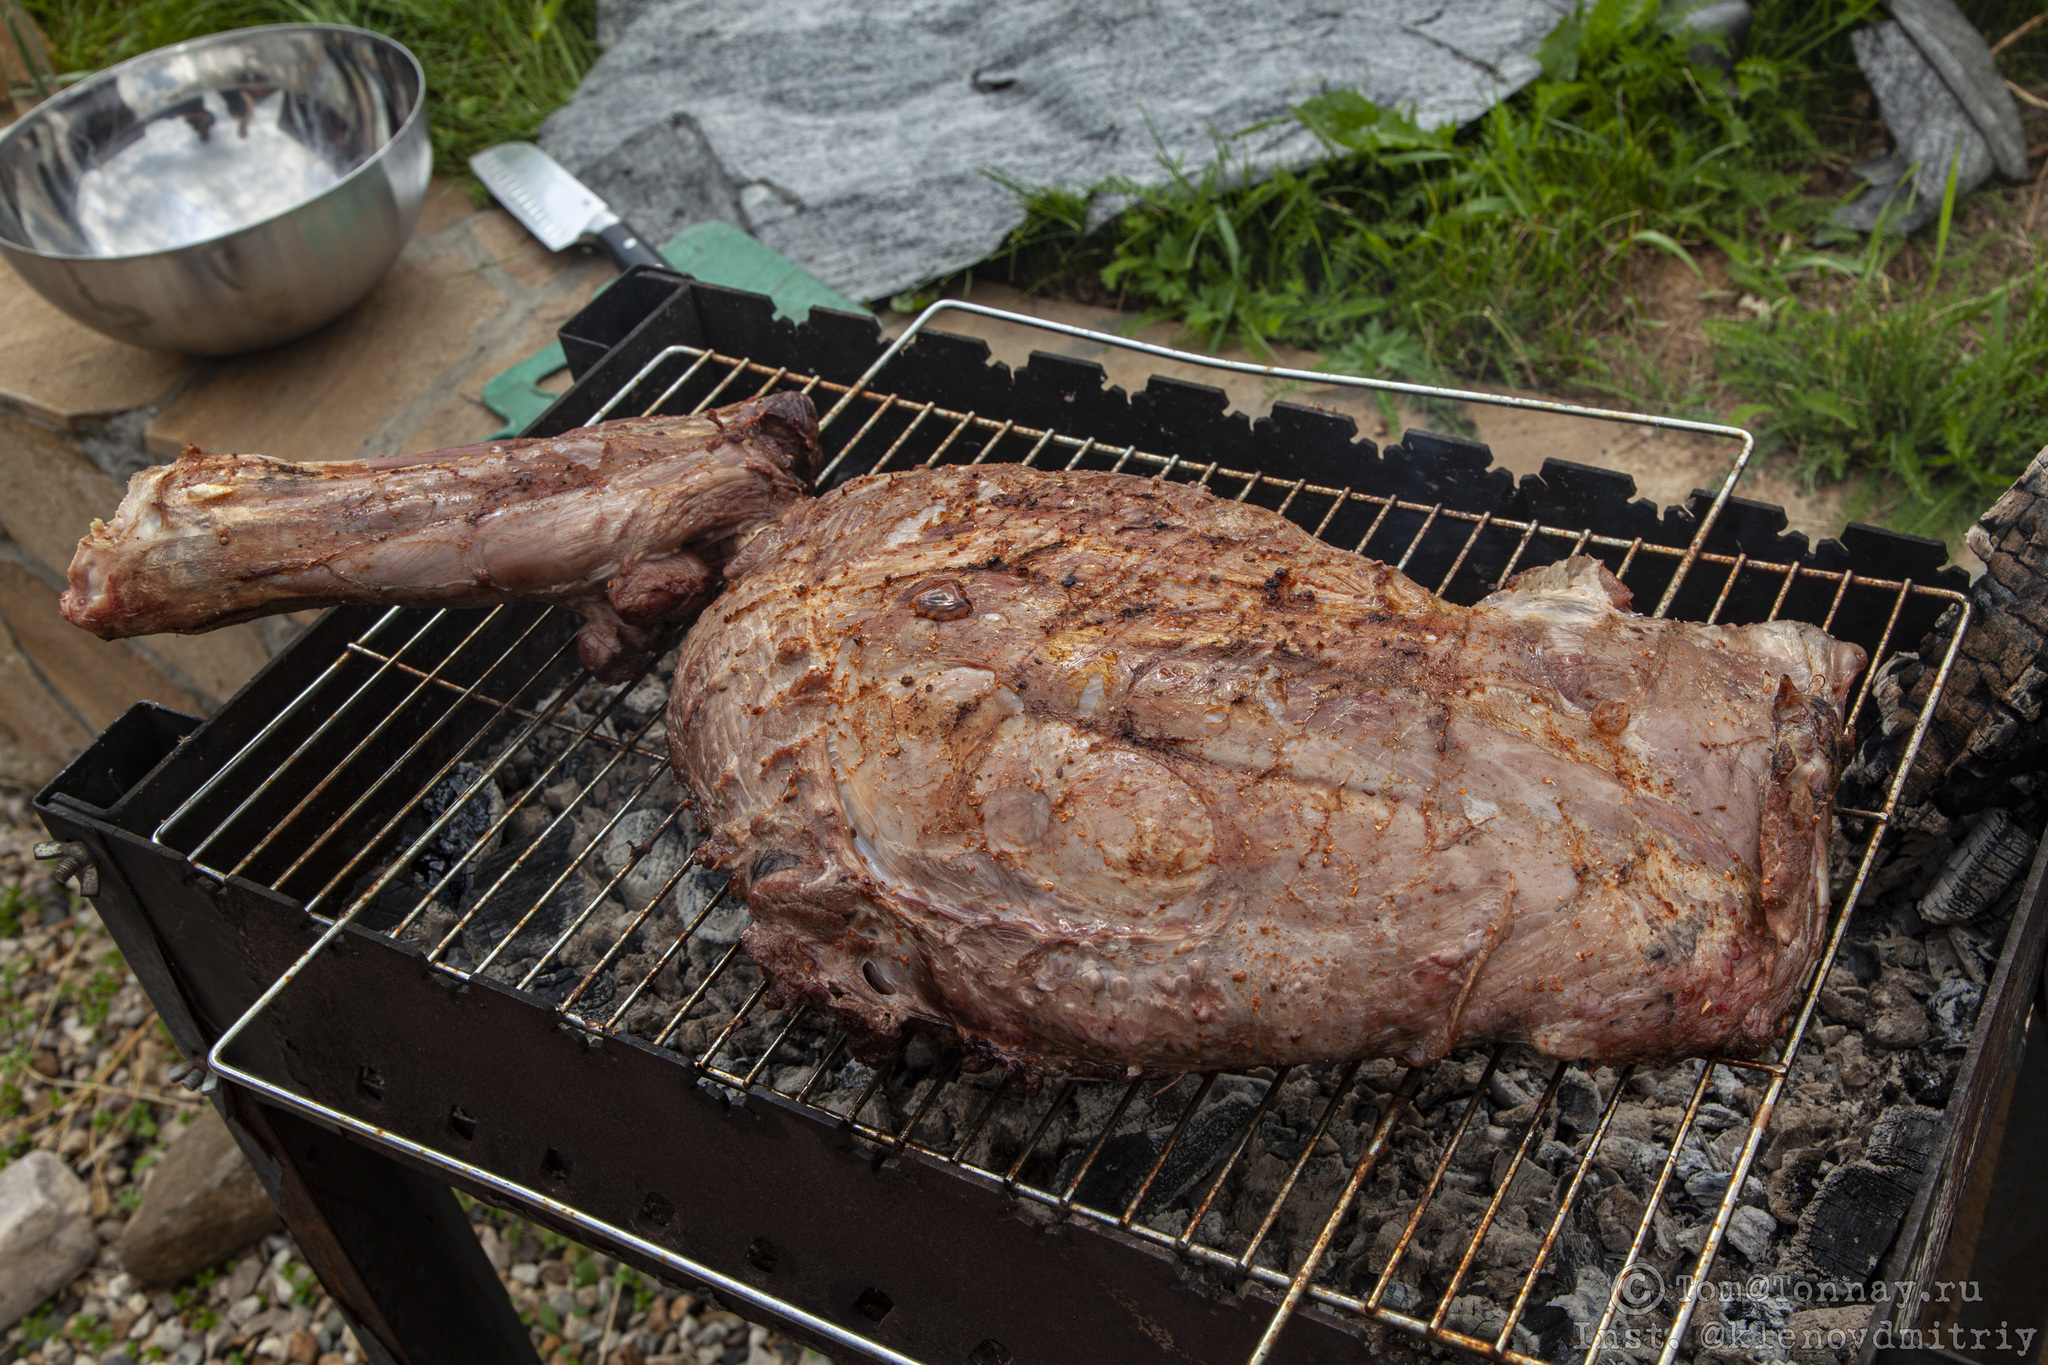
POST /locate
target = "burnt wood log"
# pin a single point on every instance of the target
(1856, 1212)
(1984, 744)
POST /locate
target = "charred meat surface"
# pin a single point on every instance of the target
(628, 523)
(1105, 773)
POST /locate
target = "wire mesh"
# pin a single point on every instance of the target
(455, 780)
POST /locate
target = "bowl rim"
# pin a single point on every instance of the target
(416, 116)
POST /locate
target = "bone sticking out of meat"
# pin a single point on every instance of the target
(628, 523)
(1106, 773)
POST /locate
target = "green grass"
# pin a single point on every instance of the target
(1505, 251)
(1927, 379)
(495, 68)
(1488, 251)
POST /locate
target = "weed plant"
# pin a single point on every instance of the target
(495, 68)
(1502, 251)
(1926, 380)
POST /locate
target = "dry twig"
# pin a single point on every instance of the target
(2022, 31)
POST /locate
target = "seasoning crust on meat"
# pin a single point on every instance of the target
(1104, 773)
(627, 523)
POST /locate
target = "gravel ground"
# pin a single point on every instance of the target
(85, 1073)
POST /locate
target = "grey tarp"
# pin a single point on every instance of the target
(853, 138)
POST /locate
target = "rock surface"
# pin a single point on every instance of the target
(1933, 132)
(1946, 106)
(858, 140)
(46, 1233)
(203, 1205)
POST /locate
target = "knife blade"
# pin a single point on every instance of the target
(554, 205)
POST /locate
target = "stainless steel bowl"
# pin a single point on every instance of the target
(222, 194)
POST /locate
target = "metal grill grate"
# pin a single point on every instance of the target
(373, 798)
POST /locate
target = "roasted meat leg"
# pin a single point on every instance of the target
(627, 523)
(1105, 773)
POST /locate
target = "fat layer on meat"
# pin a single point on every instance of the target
(1106, 773)
(627, 522)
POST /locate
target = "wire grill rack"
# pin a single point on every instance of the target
(344, 795)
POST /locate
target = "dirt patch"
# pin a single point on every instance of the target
(1671, 301)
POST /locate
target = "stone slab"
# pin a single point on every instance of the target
(404, 370)
(858, 140)
(461, 416)
(329, 396)
(447, 203)
(39, 732)
(53, 490)
(1933, 130)
(58, 370)
(99, 679)
(518, 252)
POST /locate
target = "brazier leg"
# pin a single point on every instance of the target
(391, 1245)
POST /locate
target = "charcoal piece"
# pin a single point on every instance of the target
(1845, 1004)
(1506, 1092)
(1953, 1011)
(1896, 1018)
(1208, 1136)
(1859, 956)
(1529, 1188)
(554, 983)
(1578, 1103)
(1929, 1074)
(1994, 855)
(1905, 1138)
(479, 809)
(1792, 1185)
(1715, 1117)
(1707, 1186)
(645, 699)
(528, 873)
(1976, 952)
(1617, 1214)
(1582, 1308)
(724, 925)
(1553, 1329)
(922, 1053)
(646, 853)
(395, 900)
(1797, 1126)
(1749, 1232)
(1852, 1219)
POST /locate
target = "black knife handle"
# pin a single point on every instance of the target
(627, 248)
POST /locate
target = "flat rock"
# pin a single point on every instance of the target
(46, 1233)
(859, 140)
(203, 1205)
(1932, 129)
